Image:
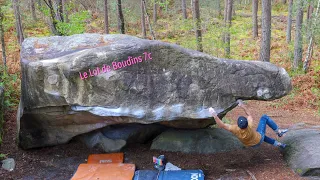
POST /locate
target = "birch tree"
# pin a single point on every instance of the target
(310, 45)
(289, 21)
(228, 22)
(148, 19)
(298, 36)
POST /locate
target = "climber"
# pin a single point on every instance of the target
(245, 132)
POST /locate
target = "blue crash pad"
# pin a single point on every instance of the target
(169, 175)
(146, 175)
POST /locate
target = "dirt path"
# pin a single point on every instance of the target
(60, 162)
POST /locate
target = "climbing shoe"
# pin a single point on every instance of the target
(282, 131)
(282, 146)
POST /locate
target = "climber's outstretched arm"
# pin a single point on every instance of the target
(244, 107)
(218, 120)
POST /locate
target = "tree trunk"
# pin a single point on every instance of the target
(59, 10)
(3, 46)
(266, 31)
(219, 8)
(18, 21)
(106, 19)
(155, 12)
(289, 21)
(184, 9)
(148, 19)
(225, 11)
(255, 18)
(310, 46)
(143, 22)
(308, 21)
(166, 5)
(120, 18)
(65, 12)
(228, 21)
(161, 8)
(298, 36)
(39, 3)
(192, 10)
(54, 21)
(233, 9)
(309, 11)
(33, 10)
(198, 25)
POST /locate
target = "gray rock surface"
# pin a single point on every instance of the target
(58, 102)
(133, 133)
(8, 164)
(303, 151)
(114, 137)
(203, 141)
(97, 139)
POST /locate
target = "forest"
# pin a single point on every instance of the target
(283, 32)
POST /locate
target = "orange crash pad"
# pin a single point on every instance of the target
(105, 158)
(114, 171)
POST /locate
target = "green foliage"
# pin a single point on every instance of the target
(10, 83)
(76, 25)
(45, 10)
(224, 120)
(162, 4)
(3, 156)
(297, 72)
(316, 91)
(9, 18)
(280, 7)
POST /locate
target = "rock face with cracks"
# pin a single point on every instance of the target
(302, 152)
(202, 141)
(177, 84)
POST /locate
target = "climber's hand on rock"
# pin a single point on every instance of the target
(240, 102)
(212, 111)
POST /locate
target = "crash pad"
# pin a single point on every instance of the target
(169, 175)
(181, 175)
(146, 175)
(118, 171)
(105, 158)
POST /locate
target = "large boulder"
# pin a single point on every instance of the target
(203, 141)
(75, 84)
(303, 150)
